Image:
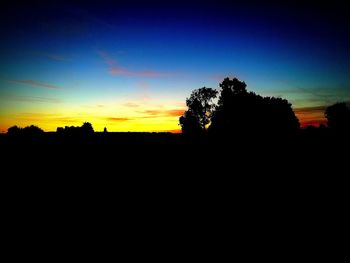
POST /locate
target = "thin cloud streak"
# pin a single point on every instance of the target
(162, 113)
(117, 70)
(311, 115)
(147, 114)
(54, 57)
(33, 99)
(310, 109)
(131, 105)
(35, 83)
(118, 119)
(106, 58)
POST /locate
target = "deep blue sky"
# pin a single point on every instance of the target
(100, 58)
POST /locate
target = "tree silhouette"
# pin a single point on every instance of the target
(244, 113)
(30, 131)
(229, 89)
(190, 124)
(200, 108)
(338, 117)
(86, 128)
(14, 130)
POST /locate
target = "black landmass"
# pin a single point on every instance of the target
(267, 161)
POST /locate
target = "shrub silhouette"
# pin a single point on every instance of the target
(338, 117)
(200, 108)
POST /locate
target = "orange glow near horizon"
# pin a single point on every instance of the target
(130, 66)
(127, 117)
(138, 115)
(147, 120)
(311, 116)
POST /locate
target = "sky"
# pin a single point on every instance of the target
(129, 65)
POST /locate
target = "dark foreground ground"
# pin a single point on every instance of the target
(173, 155)
(148, 185)
(164, 162)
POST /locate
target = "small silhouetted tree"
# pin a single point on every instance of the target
(60, 130)
(200, 108)
(14, 130)
(190, 124)
(32, 130)
(86, 128)
(338, 117)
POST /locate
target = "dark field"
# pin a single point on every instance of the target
(301, 181)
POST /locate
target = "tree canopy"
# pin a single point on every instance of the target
(238, 111)
(200, 109)
(31, 130)
(338, 117)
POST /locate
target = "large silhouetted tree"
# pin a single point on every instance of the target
(200, 108)
(338, 116)
(243, 112)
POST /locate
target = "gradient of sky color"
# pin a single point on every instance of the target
(129, 65)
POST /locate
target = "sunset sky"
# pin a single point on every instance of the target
(129, 65)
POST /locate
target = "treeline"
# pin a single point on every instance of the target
(237, 112)
(85, 129)
(32, 130)
(232, 112)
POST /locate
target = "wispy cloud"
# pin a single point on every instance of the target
(148, 114)
(315, 94)
(106, 58)
(117, 70)
(55, 57)
(310, 109)
(143, 85)
(118, 119)
(175, 113)
(33, 99)
(173, 131)
(152, 112)
(162, 113)
(35, 117)
(311, 115)
(131, 105)
(35, 83)
(325, 97)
